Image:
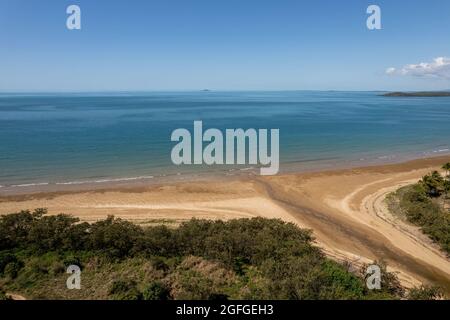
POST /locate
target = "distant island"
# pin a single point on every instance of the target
(418, 94)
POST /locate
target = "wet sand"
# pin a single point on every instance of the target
(344, 208)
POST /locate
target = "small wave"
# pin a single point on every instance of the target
(68, 183)
(71, 182)
(124, 179)
(393, 156)
(29, 185)
(247, 169)
(104, 180)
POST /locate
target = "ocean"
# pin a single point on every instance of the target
(64, 139)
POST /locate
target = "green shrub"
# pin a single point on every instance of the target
(159, 263)
(426, 293)
(72, 259)
(52, 232)
(156, 291)
(433, 184)
(125, 290)
(422, 210)
(115, 237)
(238, 259)
(58, 268)
(12, 269)
(3, 295)
(199, 279)
(5, 259)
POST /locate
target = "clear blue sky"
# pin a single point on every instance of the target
(222, 45)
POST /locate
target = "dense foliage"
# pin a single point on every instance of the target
(239, 259)
(425, 204)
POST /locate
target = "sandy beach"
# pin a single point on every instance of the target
(344, 208)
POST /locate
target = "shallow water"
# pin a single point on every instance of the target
(97, 138)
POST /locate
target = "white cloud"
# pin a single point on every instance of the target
(390, 70)
(439, 68)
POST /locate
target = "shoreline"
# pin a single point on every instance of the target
(205, 174)
(342, 206)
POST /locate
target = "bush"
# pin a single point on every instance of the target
(14, 228)
(58, 268)
(198, 279)
(52, 233)
(238, 259)
(426, 293)
(72, 259)
(3, 295)
(156, 291)
(390, 284)
(40, 232)
(159, 263)
(422, 210)
(311, 278)
(433, 184)
(12, 269)
(125, 290)
(115, 237)
(5, 259)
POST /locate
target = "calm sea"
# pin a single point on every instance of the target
(95, 138)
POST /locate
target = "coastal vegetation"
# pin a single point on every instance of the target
(426, 204)
(418, 94)
(200, 259)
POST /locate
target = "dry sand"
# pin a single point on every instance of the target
(344, 208)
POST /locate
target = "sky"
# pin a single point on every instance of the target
(155, 45)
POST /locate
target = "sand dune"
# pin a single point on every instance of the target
(344, 208)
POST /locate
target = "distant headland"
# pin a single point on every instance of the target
(418, 94)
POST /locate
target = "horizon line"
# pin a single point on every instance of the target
(202, 90)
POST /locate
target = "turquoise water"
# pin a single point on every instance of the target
(77, 138)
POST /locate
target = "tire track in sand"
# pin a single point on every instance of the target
(374, 213)
(362, 234)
